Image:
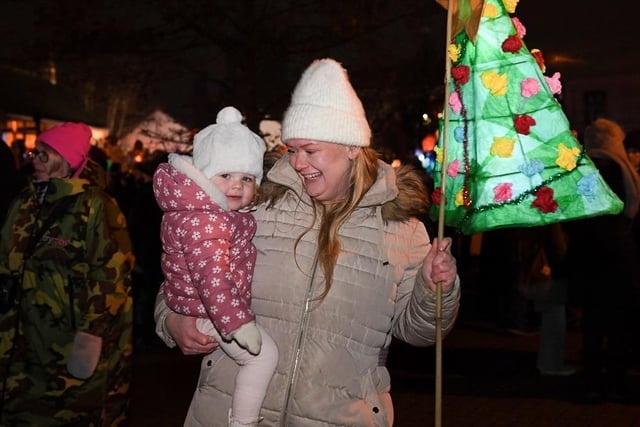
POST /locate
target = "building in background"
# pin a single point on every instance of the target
(31, 103)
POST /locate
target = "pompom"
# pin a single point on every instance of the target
(229, 115)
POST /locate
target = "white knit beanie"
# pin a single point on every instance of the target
(324, 107)
(228, 146)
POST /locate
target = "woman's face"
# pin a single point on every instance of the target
(47, 163)
(323, 166)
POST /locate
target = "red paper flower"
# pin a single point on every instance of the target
(523, 123)
(512, 44)
(460, 74)
(537, 55)
(544, 200)
(435, 196)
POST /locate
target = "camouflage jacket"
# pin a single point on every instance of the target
(83, 256)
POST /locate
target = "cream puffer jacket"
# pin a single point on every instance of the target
(332, 353)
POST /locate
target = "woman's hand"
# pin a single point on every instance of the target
(186, 335)
(440, 266)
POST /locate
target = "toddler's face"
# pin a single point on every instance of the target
(238, 187)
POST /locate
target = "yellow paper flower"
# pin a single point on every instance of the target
(454, 52)
(567, 157)
(459, 200)
(510, 5)
(496, 83)
(502, 146)
(489, 11)
(438, 151)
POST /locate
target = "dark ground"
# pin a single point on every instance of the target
(489, 379)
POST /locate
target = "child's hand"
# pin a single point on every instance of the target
(248, 337)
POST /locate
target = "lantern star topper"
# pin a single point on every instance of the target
(466, 15)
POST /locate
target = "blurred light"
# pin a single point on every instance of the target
(564, 59)
(428, 142)
(427, 160)
(53, 78)
(98, 134)
(396, 163)
(30, 141)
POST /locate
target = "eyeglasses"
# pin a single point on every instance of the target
(40, 154)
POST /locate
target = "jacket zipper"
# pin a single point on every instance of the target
(295, 364)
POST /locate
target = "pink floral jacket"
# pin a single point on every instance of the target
(208, 256)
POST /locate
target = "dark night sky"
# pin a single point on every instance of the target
(593, 37)
(596, 33)
(579, 39)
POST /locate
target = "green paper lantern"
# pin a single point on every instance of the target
(511, 157)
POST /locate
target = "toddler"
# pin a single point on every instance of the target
(208, 255)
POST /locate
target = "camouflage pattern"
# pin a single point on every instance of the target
(86, 252)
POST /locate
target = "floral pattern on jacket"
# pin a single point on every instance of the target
(208, 257)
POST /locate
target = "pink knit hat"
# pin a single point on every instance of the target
(72, 141)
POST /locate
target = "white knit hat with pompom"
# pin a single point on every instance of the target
(325, 107)
(228, 146)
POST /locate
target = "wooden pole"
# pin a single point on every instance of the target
(443, 181)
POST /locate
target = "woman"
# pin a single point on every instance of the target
(343, 265)
(65, 325)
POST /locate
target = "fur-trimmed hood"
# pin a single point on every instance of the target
(176, 177)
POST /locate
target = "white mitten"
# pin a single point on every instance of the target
(248, 337)
(85, 355)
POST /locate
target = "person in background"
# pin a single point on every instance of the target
(65, 306)
(208, 257)
(542, 278)
(143, 220)
(632, 146)
(507, 304)
(11, 177)
(343, 266)
(603, 261)
(19, 150)
(136, 155)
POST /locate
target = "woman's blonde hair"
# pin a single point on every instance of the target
(363, 174)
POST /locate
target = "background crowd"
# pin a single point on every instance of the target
(591, 283)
